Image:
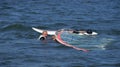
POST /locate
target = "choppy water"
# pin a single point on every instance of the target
(19, 46)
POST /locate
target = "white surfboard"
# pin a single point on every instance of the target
(53, 32)
(40, 31)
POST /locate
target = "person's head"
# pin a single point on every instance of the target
(89, 31)
(45, 33)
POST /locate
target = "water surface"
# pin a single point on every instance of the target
(19, 46)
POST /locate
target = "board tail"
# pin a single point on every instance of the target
(37, 30)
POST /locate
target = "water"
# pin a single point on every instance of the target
(19, 46)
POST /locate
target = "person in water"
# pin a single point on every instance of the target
(44, 35)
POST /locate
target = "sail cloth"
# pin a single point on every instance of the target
(68, 38)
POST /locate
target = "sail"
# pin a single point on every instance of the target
(85, 41)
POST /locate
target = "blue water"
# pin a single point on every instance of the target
(19, 46)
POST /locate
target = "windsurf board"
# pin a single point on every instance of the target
(40, 31)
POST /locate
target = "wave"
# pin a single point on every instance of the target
(17, 30)
(15, 27)
(20, 27)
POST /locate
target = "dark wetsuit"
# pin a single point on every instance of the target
(76, 32)
(42, 37)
